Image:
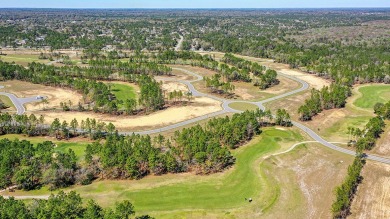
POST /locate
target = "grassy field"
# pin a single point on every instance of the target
(62, 146)
(243, 106)
(187, 195)
(371, 95)
(22, 59)
(123, 91)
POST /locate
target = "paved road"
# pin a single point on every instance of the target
(227, 109)
(19, 102)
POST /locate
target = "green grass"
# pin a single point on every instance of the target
(221, 193)
(22, 59)
(243, 106)
(62, 146)
(7, 102)
(123, 92)
(371, 95)
(340, 128)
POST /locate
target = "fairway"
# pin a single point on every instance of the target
(123, 92)
(371, 95)
(162, 196)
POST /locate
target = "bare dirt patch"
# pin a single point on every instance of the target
(200, 106)
(307, 177)
(54, 95)
(170, 86)
(372, 199)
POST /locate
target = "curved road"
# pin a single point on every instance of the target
(19, 102)
(227, 109)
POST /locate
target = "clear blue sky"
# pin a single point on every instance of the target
(192, 3)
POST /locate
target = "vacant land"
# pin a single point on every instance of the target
(382, 147)
(304, 176)
(372, 199)
(314, 81)
(198, 107)
(54, 95)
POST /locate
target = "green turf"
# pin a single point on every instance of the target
(340, 128)
(373, 94)
(123, 92)
(205, 194)
(221, 194)
(243, 106)
(62, 146)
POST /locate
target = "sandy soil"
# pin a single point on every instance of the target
(170, 86)
(55, 95)
(373, 196)
(200, 106)
(307, 176)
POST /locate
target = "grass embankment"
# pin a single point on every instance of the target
(188, 195)
(243, 106)
(7, 102)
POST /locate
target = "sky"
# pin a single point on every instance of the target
(192, 3)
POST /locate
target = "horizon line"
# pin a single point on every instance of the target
(371, 7)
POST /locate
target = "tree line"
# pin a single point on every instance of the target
(331, 97)
(65, 205)
(367, 138)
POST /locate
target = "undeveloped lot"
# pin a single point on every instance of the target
(199, 106)
(382, 147)
(313, 80)
(307, 177)
(54, 95)
(373, 196)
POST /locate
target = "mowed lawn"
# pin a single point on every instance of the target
(123, 92)
(373, 94)
(243, 106)
(184, 195)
